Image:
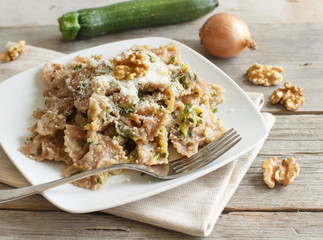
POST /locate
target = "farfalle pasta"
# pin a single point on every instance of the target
(99, 111)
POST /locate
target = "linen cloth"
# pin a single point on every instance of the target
(192, 208)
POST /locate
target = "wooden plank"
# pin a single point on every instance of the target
(235, 225)
(45, 13)
(269, 225)
(274, 49)
(61, 225)
(304, 193)
(298, 136)
(275, 11)
(302, 128)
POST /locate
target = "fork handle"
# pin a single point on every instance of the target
(13, 194)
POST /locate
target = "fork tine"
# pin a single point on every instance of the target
(203, 150)
(219, 148)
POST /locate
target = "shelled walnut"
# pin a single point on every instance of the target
(290, 96)
(129, 67)
(13, 52)
(286, 173)
(265, 75)
(270, 167)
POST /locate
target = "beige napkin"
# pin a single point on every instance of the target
(192, 208)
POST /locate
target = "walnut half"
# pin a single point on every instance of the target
(270, 167)
(13, 52)
(290, 96)
(286, 173)
(129, 67)
(265, 75)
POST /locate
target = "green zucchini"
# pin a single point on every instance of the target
(93, 22)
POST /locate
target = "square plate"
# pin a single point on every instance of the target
(22, 94)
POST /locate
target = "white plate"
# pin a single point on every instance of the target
(21, 94)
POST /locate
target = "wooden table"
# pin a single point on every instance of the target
(290, 34)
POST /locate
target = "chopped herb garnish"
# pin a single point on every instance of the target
(106, 113)
(46, 101)
(126, 133)
(77, 171)
(77, 67)
(151, 58)
(196, 78)
(35, 153)
(190, 119)
(196, 93)
(181, 132)
(90, 141)
(53, 78)
(200, 114)
(160, 108)
(76, 92)
(79, 88)
(29, 139)
(172, 59)
(124, 111)
(181, 78)
(187, 107)
(164, 155)
(214, 110)
(98, 179)
(80, 143)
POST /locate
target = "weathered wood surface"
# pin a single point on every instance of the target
(45, 13)
(233, 225)
(289, 33)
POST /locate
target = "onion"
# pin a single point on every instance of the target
(225, 35)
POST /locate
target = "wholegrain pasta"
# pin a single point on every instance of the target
(100, 111)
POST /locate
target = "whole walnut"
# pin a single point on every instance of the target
(265, 75)
(286, 173)
(290, 96)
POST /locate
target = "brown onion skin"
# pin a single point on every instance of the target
(225, 35)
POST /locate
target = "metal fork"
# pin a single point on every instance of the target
(175, 169)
